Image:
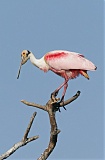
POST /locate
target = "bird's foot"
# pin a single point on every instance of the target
(53, 96)
(55, 100)
(55, 93)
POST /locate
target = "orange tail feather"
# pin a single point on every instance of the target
(84, 73)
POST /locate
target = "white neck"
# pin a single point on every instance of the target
(33, 60)
(40, 63)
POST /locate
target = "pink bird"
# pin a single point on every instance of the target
(66, 64)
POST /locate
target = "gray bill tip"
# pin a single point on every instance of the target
(19, 71)
(18, 74)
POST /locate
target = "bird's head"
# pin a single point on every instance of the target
(25, 55)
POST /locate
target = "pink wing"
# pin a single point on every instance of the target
(66, 60)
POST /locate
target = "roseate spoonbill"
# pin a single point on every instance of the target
(66, 64)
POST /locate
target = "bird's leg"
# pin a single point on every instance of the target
(55, 93)
(63, 95)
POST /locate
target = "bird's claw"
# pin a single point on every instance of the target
(53, 96)
(54, 99)
(55, 93)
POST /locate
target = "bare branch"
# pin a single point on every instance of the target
(53, 100)
(70, 99)
(34, 105)
(23, 142)
(29, 127)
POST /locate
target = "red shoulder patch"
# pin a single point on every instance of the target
(55, 55)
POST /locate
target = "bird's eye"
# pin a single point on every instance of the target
(23, 54)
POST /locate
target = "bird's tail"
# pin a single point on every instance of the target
(84, 73)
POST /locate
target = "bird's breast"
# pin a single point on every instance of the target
(43, 65)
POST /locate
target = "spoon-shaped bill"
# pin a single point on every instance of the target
(19, 70)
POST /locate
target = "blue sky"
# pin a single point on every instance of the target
(42, 26)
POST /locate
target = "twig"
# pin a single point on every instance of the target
(34, 105)
(23, 142)
(70, 99)
(29, 127)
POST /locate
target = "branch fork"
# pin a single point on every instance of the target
(23, 142)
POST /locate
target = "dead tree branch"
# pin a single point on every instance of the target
(70, 99)
(34, 105)
(23, 142)
(51, 107)
(54, 101)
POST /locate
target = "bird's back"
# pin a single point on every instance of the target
(66, 60)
